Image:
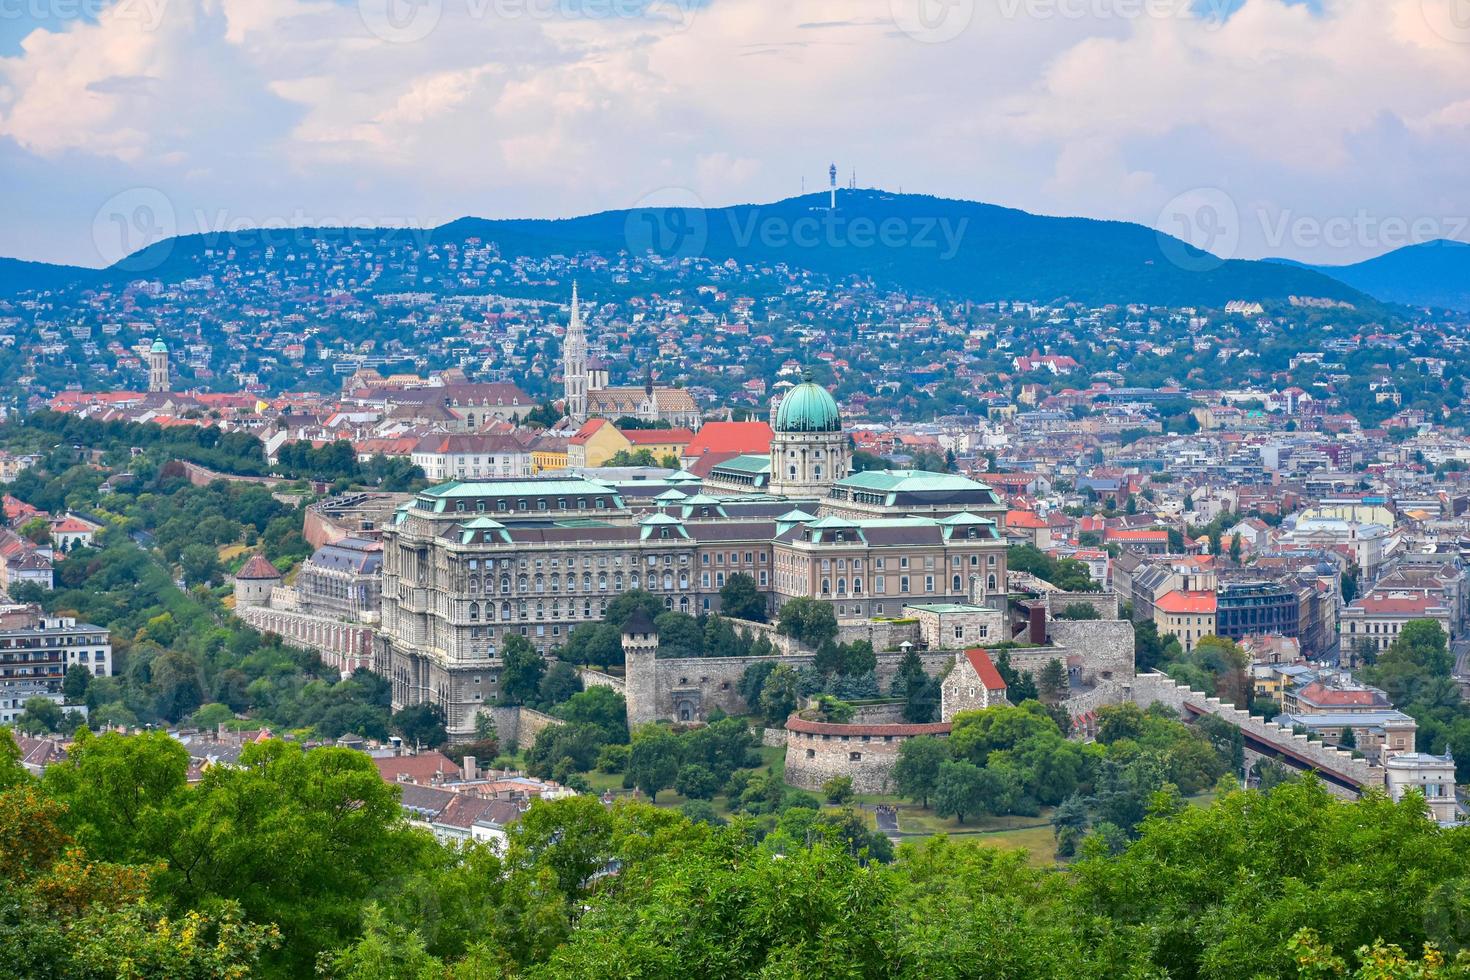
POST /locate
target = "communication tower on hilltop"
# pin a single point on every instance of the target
(832, 183)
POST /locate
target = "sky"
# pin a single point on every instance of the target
(1327, 131)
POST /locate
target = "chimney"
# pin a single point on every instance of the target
(471, 770)
(1038, 625)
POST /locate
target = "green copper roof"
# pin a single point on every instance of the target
(912, 481)
(510, 488)
(796, 516)
(808, 408)
(749, 463)
(159, 347)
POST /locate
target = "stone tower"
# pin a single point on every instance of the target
(640, 685)
(574, 364)
(158, 373)
(254, 582)
(809, 451)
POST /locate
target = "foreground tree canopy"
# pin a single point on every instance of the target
(298, 863)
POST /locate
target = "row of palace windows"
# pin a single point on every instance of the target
(553, 583)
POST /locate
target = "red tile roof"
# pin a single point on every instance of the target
(258, 568)
(731, 437)
(1177, 602)
(989, 676)
(421, 768)
(657, 437)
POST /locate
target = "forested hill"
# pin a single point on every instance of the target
(1435, 274)
(17, 276)
(916, 243)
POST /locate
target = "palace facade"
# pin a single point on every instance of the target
(466, 565)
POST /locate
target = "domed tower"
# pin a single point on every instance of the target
(158, 378)
(809, 452)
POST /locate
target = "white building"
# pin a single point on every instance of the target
(469, 456)
(1432, 775)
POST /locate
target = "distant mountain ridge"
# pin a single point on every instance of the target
(18, 275)
(916, 242)
(1434, 274)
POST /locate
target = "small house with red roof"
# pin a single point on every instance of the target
(973, 685)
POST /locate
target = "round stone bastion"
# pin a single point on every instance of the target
(865, 749)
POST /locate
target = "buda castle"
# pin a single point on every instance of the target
(465, 565)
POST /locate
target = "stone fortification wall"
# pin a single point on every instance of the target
(518, 723)
(596, 678)
(688, 689)
(1149, 688)
(1106, 603)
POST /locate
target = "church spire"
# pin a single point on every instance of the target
(574, 364)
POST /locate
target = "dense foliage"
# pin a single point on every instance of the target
(298, 862)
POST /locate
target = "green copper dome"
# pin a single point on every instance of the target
(808, 408)
(159, 347)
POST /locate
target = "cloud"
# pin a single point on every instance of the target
(280, 108)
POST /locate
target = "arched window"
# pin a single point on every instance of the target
(957, 585)
(826, 586)
(990, 582)
(474, 584)
(505, 585)
(474, 612)
(668, 582)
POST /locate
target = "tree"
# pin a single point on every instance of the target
(520, 675)
(1079, 611)
(200, 565)
(558, 683)
(741, 599)
(421, 724)
(961, 789)
(810, 621)
(598, 705)
(1053, 682)
(916, 773)
(753, 682)
(653, 760)
(779, 694)
(696, 782)
(41, 715)
(1348, 739)
(1235, 549)
(837, 790)
(919, 691)
(74, 686)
